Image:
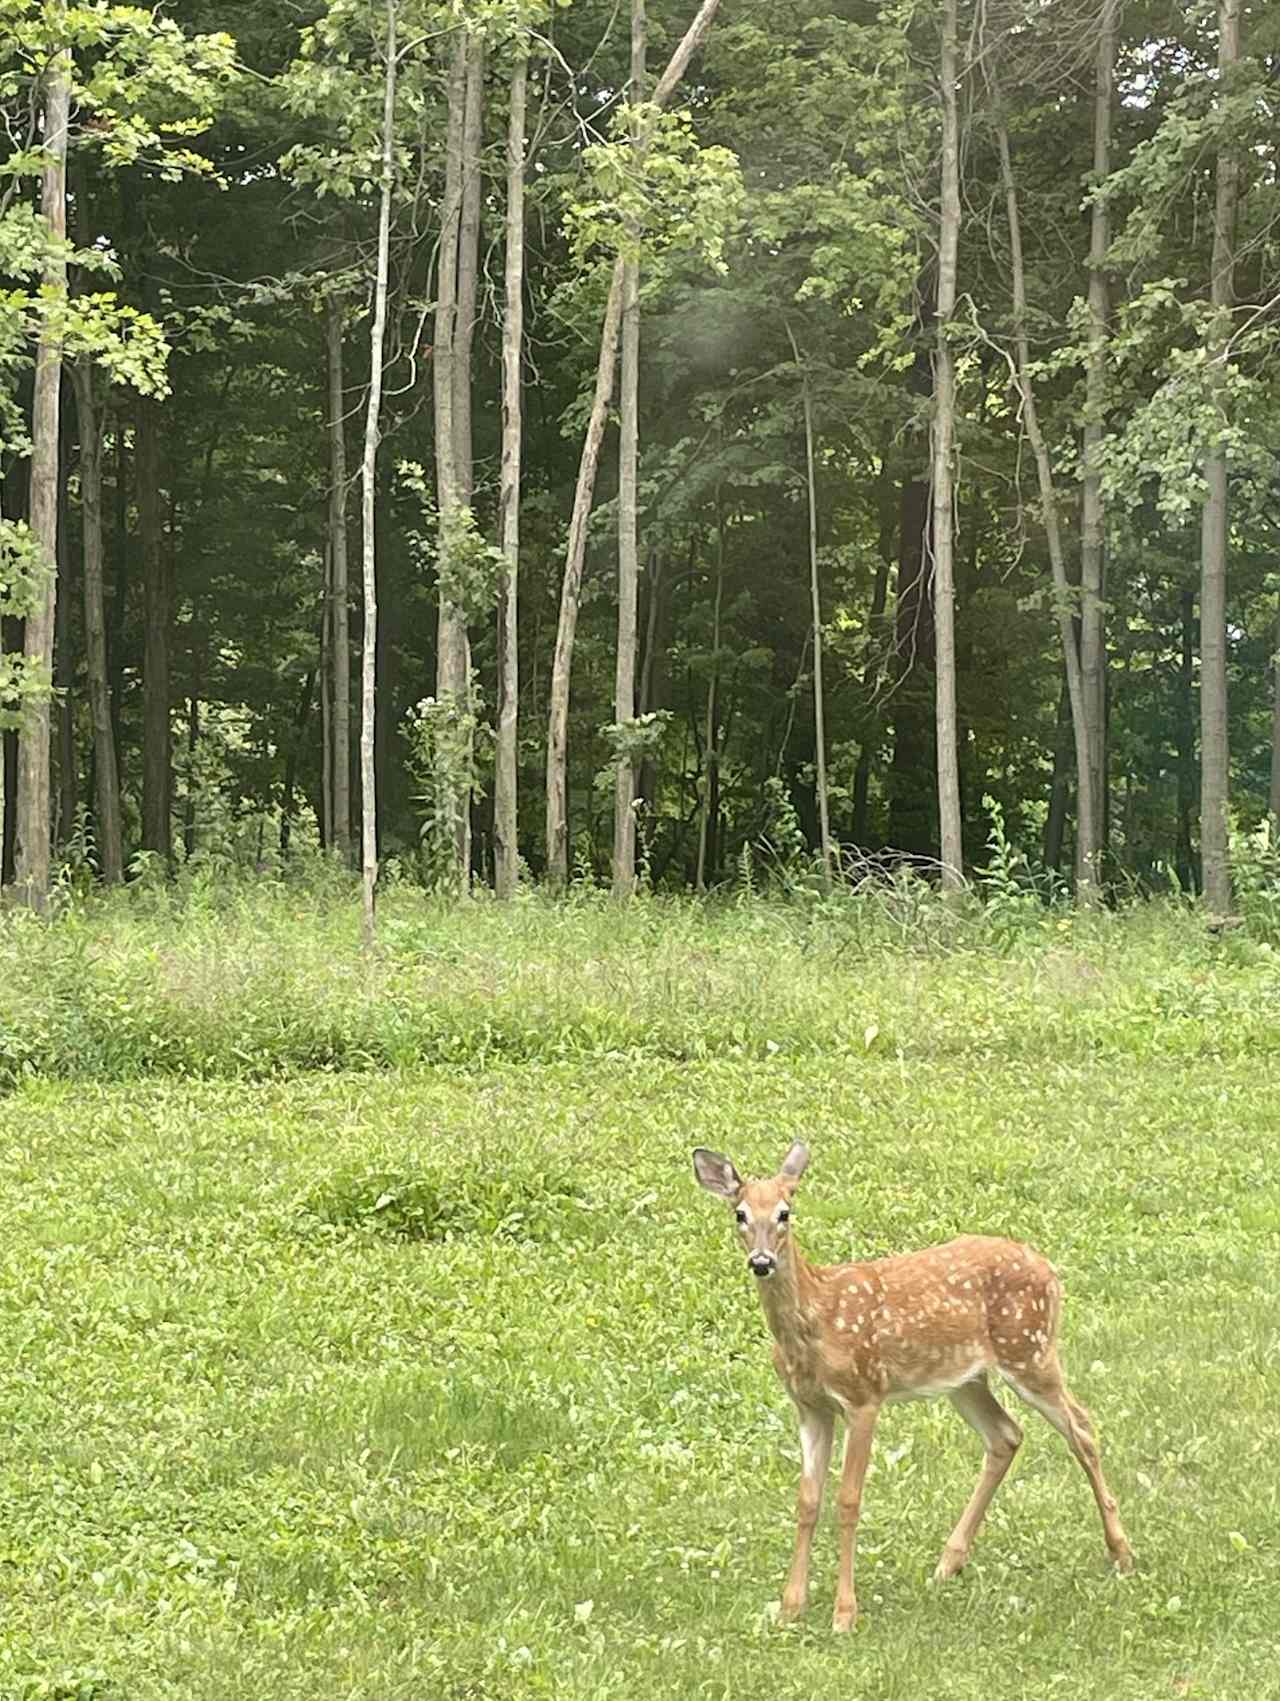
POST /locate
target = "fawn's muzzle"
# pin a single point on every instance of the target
(762, 1263)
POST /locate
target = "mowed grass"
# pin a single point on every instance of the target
(443, 1380)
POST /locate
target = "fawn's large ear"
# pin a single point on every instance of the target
(716, 1173)
(796, 1161)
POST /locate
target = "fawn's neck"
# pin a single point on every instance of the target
(787, 1297)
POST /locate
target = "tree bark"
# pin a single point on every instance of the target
(120, 587)
(819, 702)
(31, 853)
(157, 741)
(506, 772)
(1055, 825)
(1215, 754)
(66, 765)
(1274, 803)
(339, 691)
(949, 817)
(710, 743)
(107, 823)
(368, 491)
(1185, 737)
(1087, 889)
(452, 392)
(288, 804)
(1091, 843)
(861, 806)
(624, 702)
(557, 818)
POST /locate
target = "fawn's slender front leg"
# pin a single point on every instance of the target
(817, 1431)
(861, 1425)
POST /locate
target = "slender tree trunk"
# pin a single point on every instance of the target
(944, 595)
(1215, 755)
(557, 816)
(1086, 827)
(506, 771)
(1185, 736)
(288, 805)
(368, 491)
(819, 702)
(157, 741)
(871, 673)
(624, 704)
(913, 790)
(652, 693)
(468, 284)
(1274, 804)
(31, 856)
(1055, 825)
(1091, 844)
(711, 754)
(106, 774)
(326, 706)
(68, 789)
(452, 380)
(339, 604)
(190, 814)
(120, 587)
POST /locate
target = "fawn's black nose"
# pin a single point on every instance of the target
(762, 1263)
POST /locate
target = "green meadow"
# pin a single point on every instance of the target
(365, 1334)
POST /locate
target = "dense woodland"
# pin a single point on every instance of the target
(634, 440)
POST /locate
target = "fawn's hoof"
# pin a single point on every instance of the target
(952, 1562)
(844, 1619)
(792, 1610)
(1122, 1559)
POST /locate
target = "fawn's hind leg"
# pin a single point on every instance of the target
(1042, 1386)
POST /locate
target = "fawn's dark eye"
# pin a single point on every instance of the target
(741, 1215)
(783, 1216)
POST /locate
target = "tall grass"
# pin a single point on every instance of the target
(258, 979)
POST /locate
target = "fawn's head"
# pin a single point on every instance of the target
(762, 1209)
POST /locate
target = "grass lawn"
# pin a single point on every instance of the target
(447, 1382)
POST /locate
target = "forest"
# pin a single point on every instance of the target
(503, 440)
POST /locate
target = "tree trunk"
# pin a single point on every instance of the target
(624, 702)
(652, 693)
(339, 691)
(1274, 805)
(1215, 754)
(506, 773)
(557, 818)
(120, 588)
(368, 491)
(31, 852)
(944, 472)
(106, 774)
(157, 753)
(1091, 844)
(1185, 736)
(1055, 825)
(452, 394)
(912, 782)
(190, 820)
(1087, 888)
(860, 822)
(819, 703)
(288, 803)
(68, 791)
(710, 749)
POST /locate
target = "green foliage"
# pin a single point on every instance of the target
(669, 198)
(448, 744)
